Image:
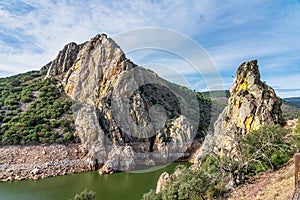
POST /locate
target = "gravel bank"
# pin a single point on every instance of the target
(41, 161)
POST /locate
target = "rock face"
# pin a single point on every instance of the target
(63, 61)
(252, 104)
(165, 179)
(125, 115)
(162, 181)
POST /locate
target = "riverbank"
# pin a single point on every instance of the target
(41, 161)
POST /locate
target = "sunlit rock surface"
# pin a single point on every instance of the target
(252, 104)
(124, 114)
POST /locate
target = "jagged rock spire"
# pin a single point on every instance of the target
(252, 104)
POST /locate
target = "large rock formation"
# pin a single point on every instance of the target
(252, 104)
(124, 114)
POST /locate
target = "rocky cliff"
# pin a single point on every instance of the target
(64, 60)
(124, 114)
(252, 104)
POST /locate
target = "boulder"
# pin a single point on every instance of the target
(162, 182)
(36, 171)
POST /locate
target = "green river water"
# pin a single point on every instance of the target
(119, 186)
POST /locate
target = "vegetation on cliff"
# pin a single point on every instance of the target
(33, 110)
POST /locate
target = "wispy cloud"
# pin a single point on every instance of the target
(43, 27)
(232, 31)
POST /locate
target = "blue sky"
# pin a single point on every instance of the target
(231, 32)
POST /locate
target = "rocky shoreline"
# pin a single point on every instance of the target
(41, 161)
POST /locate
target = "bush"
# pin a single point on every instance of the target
(210, 165)
(266, 147)
(187, 184)
(259, 150)
(11, 100)
(151, 195)
(67, 136)
(26, 99)
(85, 195)
(297, 129)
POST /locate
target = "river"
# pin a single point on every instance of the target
(119, 186)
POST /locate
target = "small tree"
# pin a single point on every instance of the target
(256, 151)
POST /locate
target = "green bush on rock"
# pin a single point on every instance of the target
(187, 184)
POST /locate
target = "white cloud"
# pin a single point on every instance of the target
(285, 85)
(52, 24)
(232, 31)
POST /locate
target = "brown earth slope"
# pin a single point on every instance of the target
(268, 185)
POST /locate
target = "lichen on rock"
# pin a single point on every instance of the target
(252, 104)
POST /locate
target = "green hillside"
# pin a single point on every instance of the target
(32, 110)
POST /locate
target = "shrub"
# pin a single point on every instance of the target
(85, 195)
(266, 147)
(187, 184)
(210, 165)
(259, 150)
(41, 119)
(11, 100)
(151, 195)
(26, 99)
(6, 119)
(67, 137)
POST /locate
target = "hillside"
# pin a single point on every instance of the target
(42, 113)
(34, 111)
(277, 185)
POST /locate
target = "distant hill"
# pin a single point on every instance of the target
(293, 101)
(216, 93)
